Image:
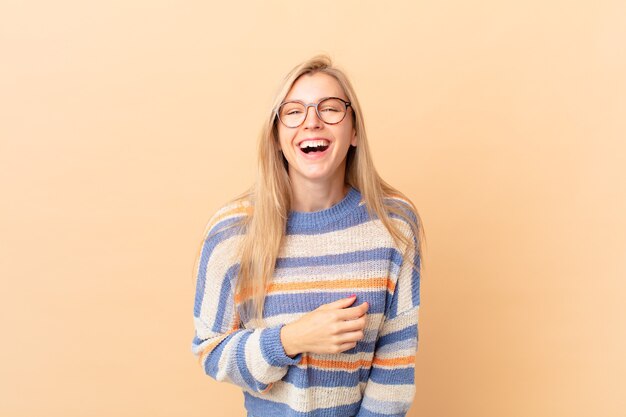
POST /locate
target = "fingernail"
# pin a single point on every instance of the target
(353, 295)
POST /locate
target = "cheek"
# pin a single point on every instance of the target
(283, 139)
(346, 136)
(280, 141)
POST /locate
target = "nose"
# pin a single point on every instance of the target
(312, 121)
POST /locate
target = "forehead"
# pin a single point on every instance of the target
(311, 87)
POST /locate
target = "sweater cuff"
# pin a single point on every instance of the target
(273, 350)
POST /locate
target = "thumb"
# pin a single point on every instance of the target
(341, 303)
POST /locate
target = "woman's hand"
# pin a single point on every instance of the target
(330, 328)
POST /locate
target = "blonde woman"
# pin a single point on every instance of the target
(307, 291)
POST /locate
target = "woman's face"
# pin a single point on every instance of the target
(327, 166)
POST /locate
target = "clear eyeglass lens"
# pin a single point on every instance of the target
(331, 111)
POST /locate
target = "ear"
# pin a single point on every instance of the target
(353, 140)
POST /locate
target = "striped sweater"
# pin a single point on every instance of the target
(326, 255)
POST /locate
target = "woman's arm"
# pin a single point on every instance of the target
(250, 358)
(390, 388)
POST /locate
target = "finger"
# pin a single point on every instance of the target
(352, 325)
(353, 312)
(346, 346)
(350, 337)
(341, 303)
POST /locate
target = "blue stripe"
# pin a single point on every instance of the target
(212, 240)
(415, 276)
(366, 413)
(225, 300)
(273, 350)
(404, 334)
(392, 311)
(362, 346)
(315, 377)
(353, 216)
(358, 215)
(243, 366)
(222, 225)
(375, 408)
(211, 365)
(290, 303)
(414, 289)
(395, 376)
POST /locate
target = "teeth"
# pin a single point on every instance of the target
(313, 143)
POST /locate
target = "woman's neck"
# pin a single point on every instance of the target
(314, 197)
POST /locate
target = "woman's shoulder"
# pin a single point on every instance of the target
(232, 213)
(404, 214)
(399, 203)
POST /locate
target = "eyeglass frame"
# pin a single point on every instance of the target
(315, 105)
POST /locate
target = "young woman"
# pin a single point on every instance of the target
(308, 284)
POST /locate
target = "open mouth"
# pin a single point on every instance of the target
(320, 148)
(314, 147)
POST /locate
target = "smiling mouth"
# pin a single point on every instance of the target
(320, 148)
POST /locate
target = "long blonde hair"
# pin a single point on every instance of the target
(270, 196)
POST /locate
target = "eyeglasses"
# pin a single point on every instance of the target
(330, 110)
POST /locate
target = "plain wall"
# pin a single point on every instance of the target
(123, 125)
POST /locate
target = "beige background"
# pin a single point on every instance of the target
(123, 125)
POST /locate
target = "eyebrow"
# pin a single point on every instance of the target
(285, 100)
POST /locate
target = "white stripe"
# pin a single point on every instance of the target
(221, 259)
(227, 366)
(260, 369)
(373, 268)
(401, 321)
(388, 394)
(365, 236)
(316, 397)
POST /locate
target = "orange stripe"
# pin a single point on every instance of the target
(330, 285)
(235, 322)
(268, 388)
(240, 209)
(352, 365)
(372, 283)
(321, 363)
(403, 360)
(209, 348)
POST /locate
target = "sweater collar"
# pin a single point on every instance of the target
(316, 219)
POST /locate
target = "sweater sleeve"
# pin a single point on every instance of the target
(250, 358)
(390, 387)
